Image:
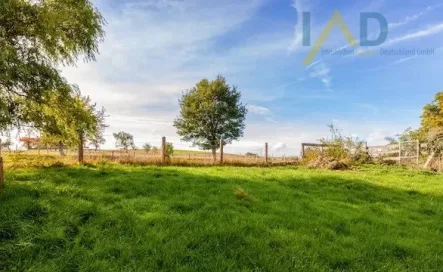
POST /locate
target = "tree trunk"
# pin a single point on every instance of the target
(214, 154)
(428, 162)
(60, 149)
(80, 148)
(2, 177)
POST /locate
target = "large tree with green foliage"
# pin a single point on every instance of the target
(35, 38)
(211, 111)
(432, 126)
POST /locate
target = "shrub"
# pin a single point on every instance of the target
(311, 154)
(169, 149)
(340, 151)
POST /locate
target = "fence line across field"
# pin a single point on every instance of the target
(402, 152)
(157, 153)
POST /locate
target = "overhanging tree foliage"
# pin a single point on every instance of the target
(67, 121)
(209, 112)
(35, 37)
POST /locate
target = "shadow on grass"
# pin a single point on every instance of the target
(162, 218)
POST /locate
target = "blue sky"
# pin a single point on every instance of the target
(156, 49)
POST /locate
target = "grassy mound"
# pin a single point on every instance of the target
(115, 218)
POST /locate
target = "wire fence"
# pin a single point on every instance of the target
(158, 152)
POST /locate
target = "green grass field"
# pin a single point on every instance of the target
(123, 218)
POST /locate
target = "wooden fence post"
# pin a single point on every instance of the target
(163, 149)
(2, 177)
(80, 148)
(266, 152)
(221, 151)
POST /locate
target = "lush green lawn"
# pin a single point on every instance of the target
(221, 219)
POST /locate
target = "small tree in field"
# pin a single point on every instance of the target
(124, 140)
(211, 111)
(147, 148)
(97, 139)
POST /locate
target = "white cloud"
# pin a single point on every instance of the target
(414, 17)
(147, 46)
(429, 31)
(279, 147)
(409, 19)
(404, 60)
(259, 110)
(322, 72)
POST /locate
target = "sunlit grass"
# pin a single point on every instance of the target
(117, 218)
